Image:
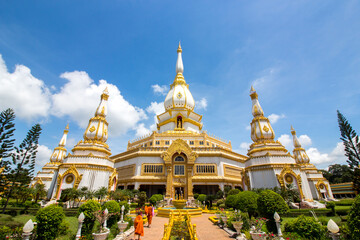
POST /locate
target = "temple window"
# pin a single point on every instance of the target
(152, 168)
(151, 144)
(167, 142)
(191, 142)
(179, 159)
(157, 142)
(201, 142)
(205, 168)
(179, 170)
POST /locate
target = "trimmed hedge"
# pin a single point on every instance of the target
(48, 221)
(306, 227)
(353, 220)
(88, 208)
(344, 202)
(268, 203)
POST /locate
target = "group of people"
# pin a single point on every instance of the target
(139, 222)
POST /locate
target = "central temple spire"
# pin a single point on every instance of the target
(179, 62)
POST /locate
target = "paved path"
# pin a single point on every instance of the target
(204, 228)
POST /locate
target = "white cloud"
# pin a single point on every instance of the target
(80, 96)
(156, 108)
(160, 90)
(141, 130)
(20, 90)
(202, 104)
(286, 141)
(43, 155)
(305, 140)
(273, 118)
(267, 77)
(337, 155)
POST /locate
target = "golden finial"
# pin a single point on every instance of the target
(106, 90)
(67, 127)
(252, 89)
(179, 48)
(292, 130)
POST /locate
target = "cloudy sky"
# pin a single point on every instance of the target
(302, 57)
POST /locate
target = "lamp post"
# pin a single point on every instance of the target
(122, 213)
(81, 220)
(28, 227)
(278, 226)
(334, 229)
(106, 212)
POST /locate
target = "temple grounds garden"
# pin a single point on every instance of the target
(259, 214)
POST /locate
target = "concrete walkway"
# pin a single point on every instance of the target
(204, 228)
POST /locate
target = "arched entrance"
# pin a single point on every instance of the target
(179, 161)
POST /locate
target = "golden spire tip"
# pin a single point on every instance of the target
(179, 48)
(252, 89)
(106, 90)
(67, 126)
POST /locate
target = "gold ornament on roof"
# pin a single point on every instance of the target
(265, 128)
(92, 129)
(179, 95)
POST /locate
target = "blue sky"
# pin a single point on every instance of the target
(303, 58)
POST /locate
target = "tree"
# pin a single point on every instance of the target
(7, 128)
(338, 173)
(23, 161)
(39, 192)
(247, 202)
(352, 148)
(101, 193)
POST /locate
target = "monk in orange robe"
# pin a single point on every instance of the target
(149, 214)
(139, 225)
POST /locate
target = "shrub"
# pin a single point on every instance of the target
(306, 227)
(196, 195)
(268, 203)
(233, 192)
(219, 194)
(155, 198)
(222, 205)
(230, 201)
(219, 202)
(48, 221)
(247, 202)
(353, 220)
(88, 208)
(113, 207)
(331, 205)
(201, 197)
(142, 198)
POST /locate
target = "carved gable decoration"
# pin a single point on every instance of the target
(177, 147)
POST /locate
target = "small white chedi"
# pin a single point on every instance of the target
(180, 157)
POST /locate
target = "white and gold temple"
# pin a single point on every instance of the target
(180, 157)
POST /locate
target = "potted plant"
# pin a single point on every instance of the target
(255, 231)
(101, 217)
(223, 218)
(237, 223)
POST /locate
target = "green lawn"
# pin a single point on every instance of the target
(73, 224)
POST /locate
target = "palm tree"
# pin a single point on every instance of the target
(101, 193)
(39, 192)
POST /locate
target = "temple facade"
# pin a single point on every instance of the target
(180, 157)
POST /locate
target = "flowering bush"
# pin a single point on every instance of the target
(101, 216)
(257, 223)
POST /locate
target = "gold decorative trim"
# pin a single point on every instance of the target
(111, 180)
(72, 170)
(143, 173)
(318, 186)
(281, 177)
